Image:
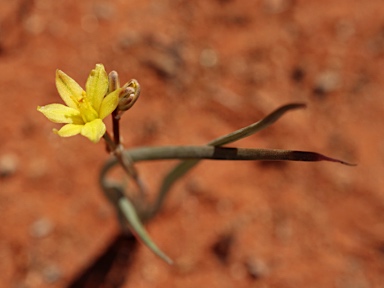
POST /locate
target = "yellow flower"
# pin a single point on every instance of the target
(84, 110)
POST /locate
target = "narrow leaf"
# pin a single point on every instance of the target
(129, 211)
(223, 153)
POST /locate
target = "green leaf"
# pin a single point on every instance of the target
(129, 211)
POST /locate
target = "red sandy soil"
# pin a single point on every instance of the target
(206, 68)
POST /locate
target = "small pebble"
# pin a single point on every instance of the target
(208, 58)
(9, 163)
(327, 82)
(52, 274)
(41, 228)
(256, 268)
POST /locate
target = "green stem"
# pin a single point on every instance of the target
(126, 163)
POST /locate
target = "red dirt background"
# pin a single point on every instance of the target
(206, 68)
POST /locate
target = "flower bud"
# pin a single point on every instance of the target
(113, 81)
(129, 94)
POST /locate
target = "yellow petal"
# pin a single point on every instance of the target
(97, 86)
(109, 103)
(60, 113)
(69, 130)
(69, 90)
(94, 130)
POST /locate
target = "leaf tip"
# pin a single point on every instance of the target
(326, 158)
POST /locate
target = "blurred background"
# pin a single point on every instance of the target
(206, 68)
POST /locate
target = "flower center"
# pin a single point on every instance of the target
(88, 113)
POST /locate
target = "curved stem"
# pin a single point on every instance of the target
(125, 162)
(110, 143)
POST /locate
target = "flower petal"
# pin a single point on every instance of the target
(94, 130)
(69, 90)
(69, 130)
(59, 113)
(97, 86)
(109, 103)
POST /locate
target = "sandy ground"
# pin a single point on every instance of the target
(206, 68)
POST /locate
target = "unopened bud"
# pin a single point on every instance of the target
(129, 95)
(113, 80)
